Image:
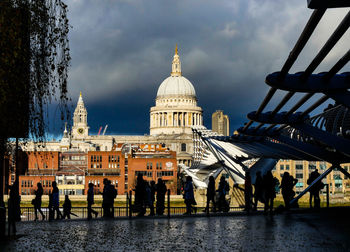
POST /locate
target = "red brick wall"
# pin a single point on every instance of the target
(43, 160)
(168, 165)
(27, 184)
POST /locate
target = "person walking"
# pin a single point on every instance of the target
(56, 201)
(90, 201)
(189, 196)
(269, 192)
(67, 207)
(12, 215)
(315, 190)
(106, 199)
(258, 188)
(161, 191)
(287, 184)
(153, 195)
(223, 189)
(37, 201)
(140, 195)
(112, 194)
(211, 194)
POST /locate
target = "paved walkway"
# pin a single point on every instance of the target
(298, 231)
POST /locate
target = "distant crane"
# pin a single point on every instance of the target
(104, 131)
(99, 131)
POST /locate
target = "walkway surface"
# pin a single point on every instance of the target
(298, 231)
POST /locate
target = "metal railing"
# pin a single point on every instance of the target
(28, 213)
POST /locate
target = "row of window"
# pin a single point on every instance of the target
(301, 167)
(75, 158)
(27, 183)
(113, 158)
(143, 173)
(159, 166)
(96, 158)
(165, 173)
(113, 165)
(96, 165)
(159, 174)
(97, 182)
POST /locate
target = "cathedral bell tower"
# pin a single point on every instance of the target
(80, 129)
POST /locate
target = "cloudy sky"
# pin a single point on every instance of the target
(122, 51)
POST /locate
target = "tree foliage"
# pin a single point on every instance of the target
(34, 61)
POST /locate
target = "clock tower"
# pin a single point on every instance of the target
(80, 129)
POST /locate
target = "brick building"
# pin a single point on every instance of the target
(301, 170)
(73, 170)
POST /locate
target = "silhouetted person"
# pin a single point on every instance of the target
(248, 191)
(112, 194)
(67, 207)
(269, 184)
(107, 200)
(12, 209)
(148, 197)
(51, 213)
(258, 190)
(223, 189)
(140, 195)
(153, 196)
(56, 200)
(189, 195)
(161, 191)
(315, 190)
(287, 185)
(211, 194)
(90, 200)
(105, 206)
(37, 201)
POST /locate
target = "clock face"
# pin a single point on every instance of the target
(80, 130)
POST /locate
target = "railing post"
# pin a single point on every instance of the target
(168, 203)
(130, 204)
(127, 204)
(327, 194)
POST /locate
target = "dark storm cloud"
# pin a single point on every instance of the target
(122, 51)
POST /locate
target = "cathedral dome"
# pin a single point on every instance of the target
(176, 86)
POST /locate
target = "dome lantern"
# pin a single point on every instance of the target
(176, 64)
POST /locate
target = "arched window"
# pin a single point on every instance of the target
(183, 147)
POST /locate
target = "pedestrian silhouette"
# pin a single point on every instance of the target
(211, 194)
(148, 197)
(90, 200)
(189, 196)
(161, 190)
(105, 204)
(248, 191)
(12, 208)
(112, 194)
(223, 189)
(56, 201)
(37, 201)
(258, 190)
(140, 196)
(269, 192)
(67, 208)
(51, 213)
(153, 192)
(287, 184)
(315, 189)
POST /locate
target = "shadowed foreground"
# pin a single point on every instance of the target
(292, 232)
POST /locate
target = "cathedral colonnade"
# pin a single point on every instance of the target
(176, 119)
